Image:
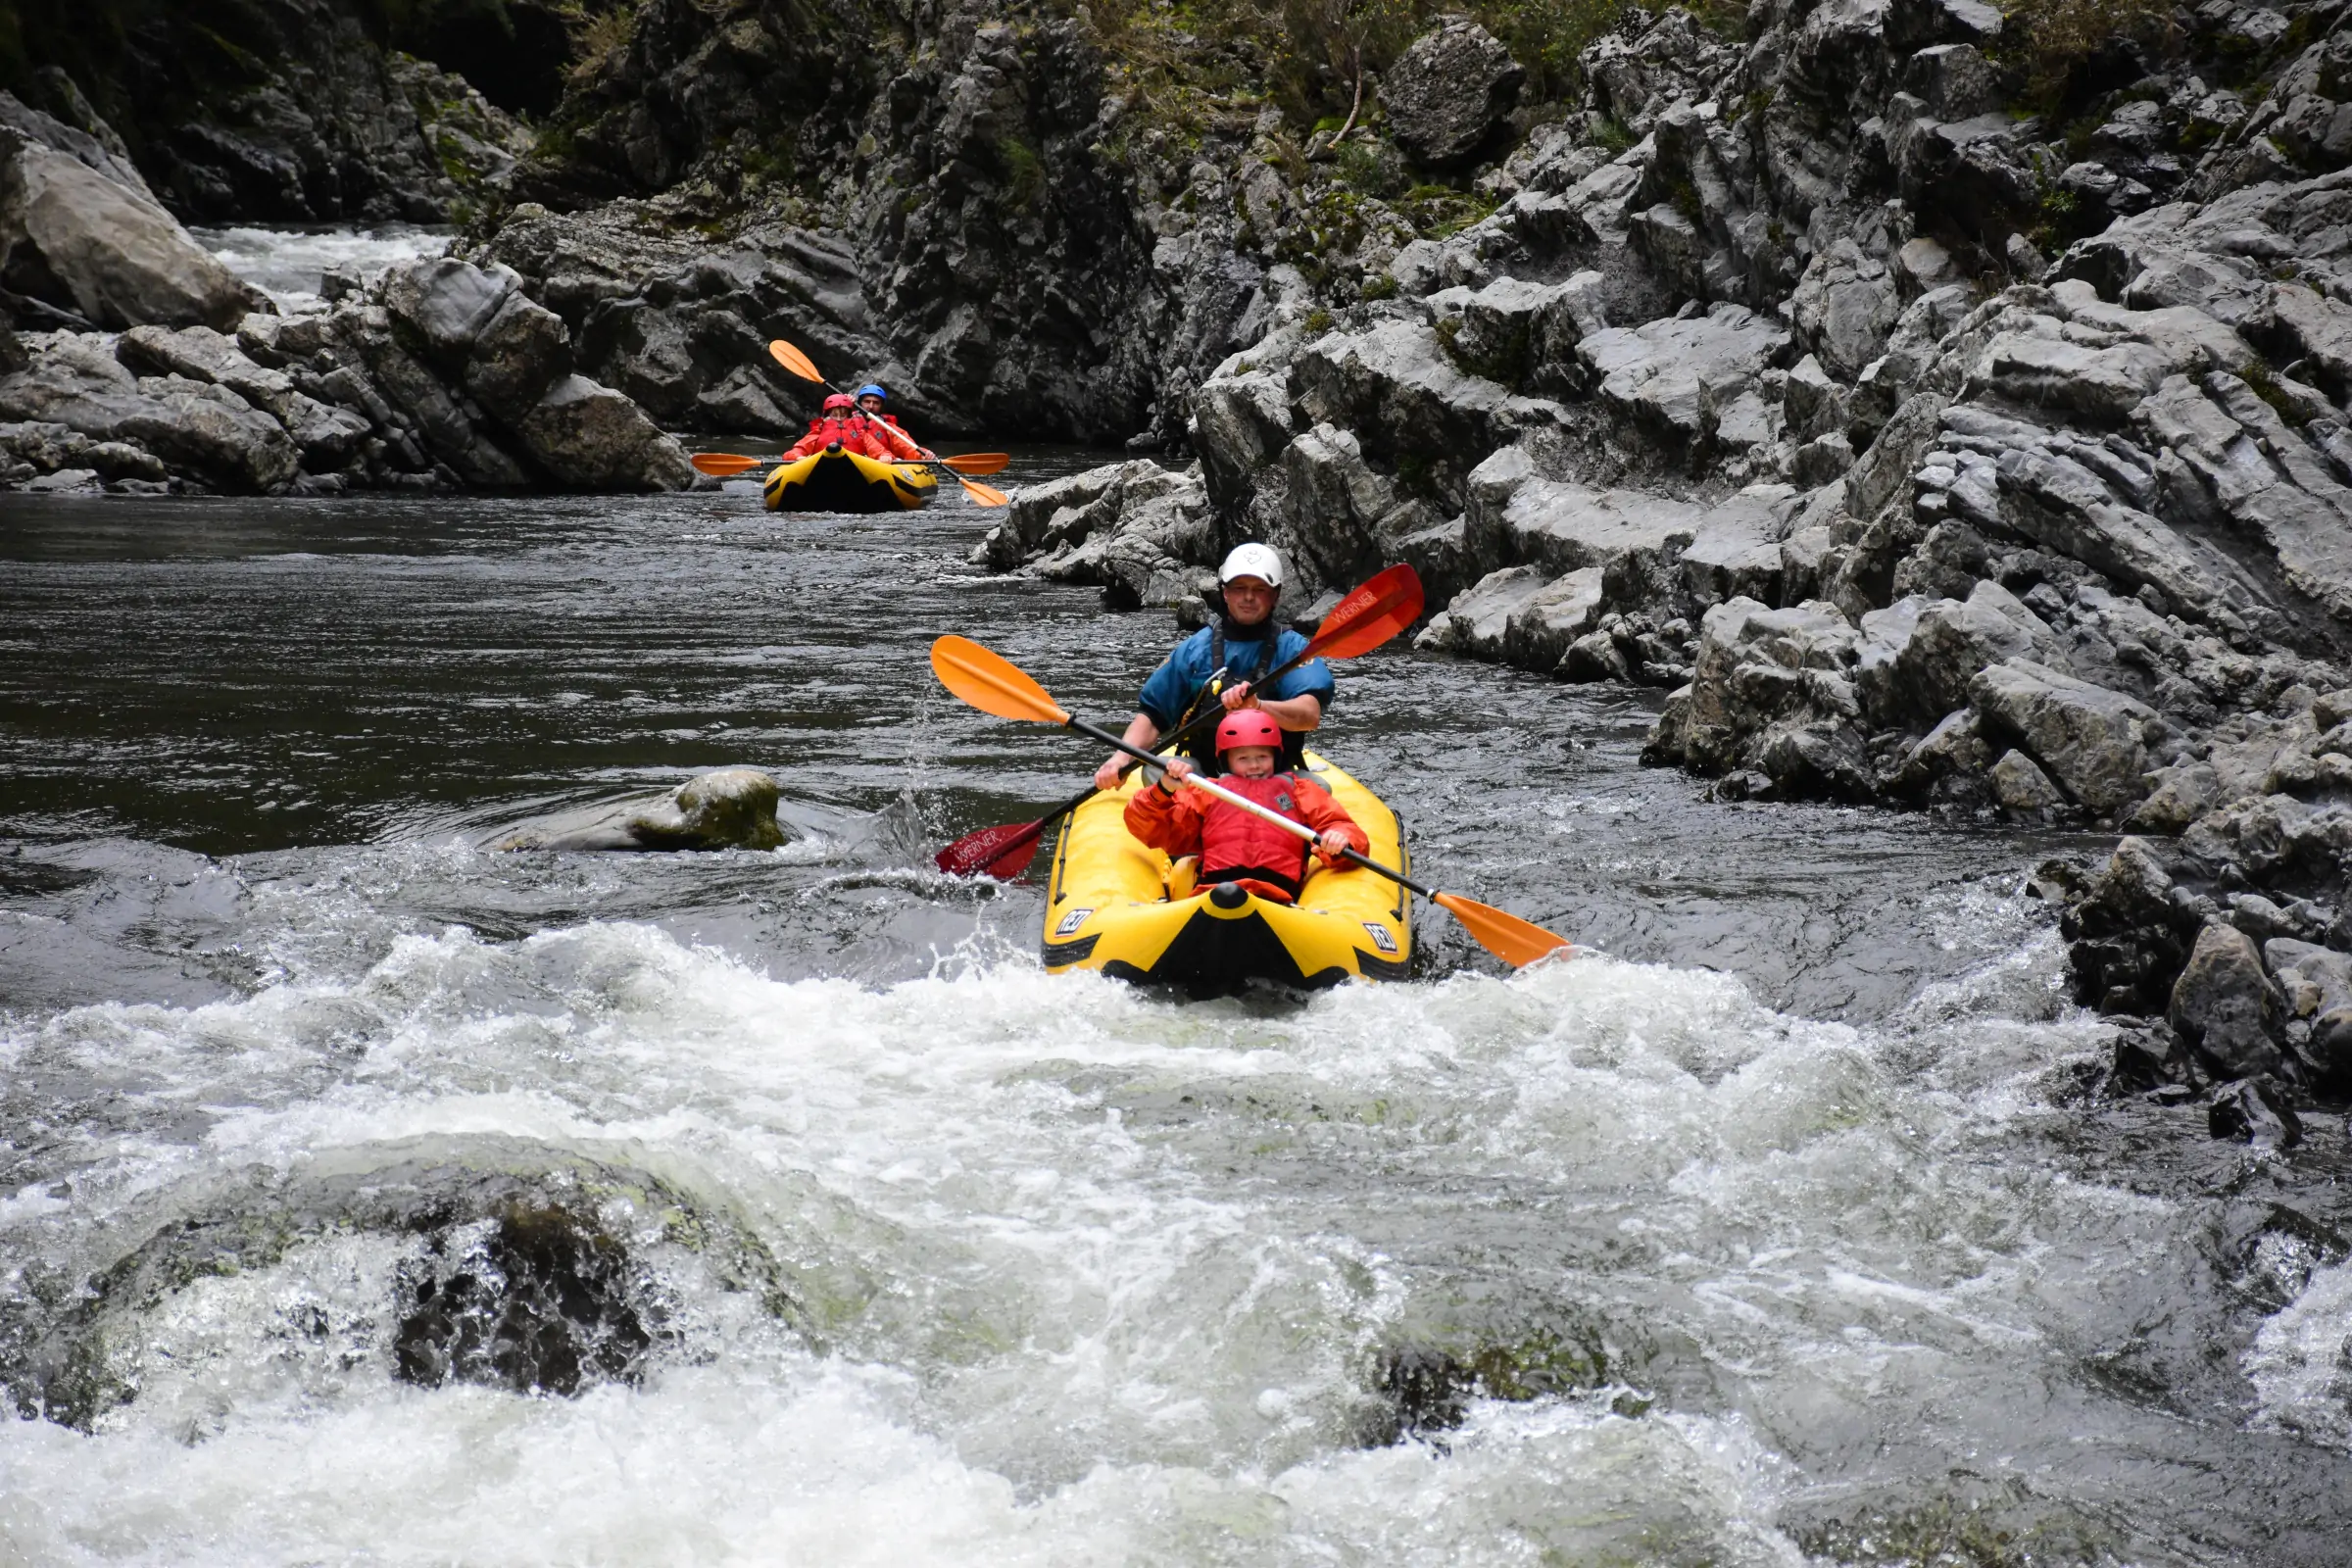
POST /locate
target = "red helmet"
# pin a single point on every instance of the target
(841, 400)
(1248, 726)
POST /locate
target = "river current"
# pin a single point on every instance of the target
(1776, 1230)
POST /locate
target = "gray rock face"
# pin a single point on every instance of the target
(1449, 93)
(294, 112)
(1771, 691)
(2226, 1007)
(1686, 379)
(592, 437)
(2023, 790)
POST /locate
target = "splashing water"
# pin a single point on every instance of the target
(289, 263)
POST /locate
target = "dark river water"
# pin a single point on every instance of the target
(1773, 1234)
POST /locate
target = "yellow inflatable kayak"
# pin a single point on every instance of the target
(847, 481)
(1118, 906)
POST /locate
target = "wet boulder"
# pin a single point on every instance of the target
(2129, 931)
(75, 236)
(2254, 1110)
(588, 436)
(1771, 693)
(2023, 790)
(2091, 740)
(1447, 96)
(2316, 984)
(729, 808)
(2225, 1006)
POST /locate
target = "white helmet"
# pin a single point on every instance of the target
(1252, 561)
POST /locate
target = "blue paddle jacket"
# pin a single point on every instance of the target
(1176, 683)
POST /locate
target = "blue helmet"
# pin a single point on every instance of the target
(871, 390)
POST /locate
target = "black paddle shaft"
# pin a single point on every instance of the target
(1184, 732)
(1145, 758)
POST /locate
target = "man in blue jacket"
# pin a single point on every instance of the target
(1219, 665)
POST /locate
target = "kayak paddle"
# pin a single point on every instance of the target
(1383, 607)
(796, 361)
(995, 685)
(728, 465)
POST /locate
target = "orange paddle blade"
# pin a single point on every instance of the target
(793, 360)
(977, 462)
(1514, 940)
(992, 683)
(984, 494)
(724, 465)
(1372, 614)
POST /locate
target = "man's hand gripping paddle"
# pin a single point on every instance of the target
(995, 685)
(800, 364)
(1358, 623)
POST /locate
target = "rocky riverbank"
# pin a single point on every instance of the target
(159, 370)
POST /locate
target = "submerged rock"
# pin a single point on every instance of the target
(729, 808)
(538, 1298)
(500, 1262)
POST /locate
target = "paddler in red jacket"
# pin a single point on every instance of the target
(899, 445)
(1232, 845)
(841, 424)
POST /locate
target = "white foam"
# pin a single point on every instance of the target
(2301, 1361)
(288, 263)
(1091, 1267)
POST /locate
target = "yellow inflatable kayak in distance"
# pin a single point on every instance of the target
(1116, 905)
(847, 481)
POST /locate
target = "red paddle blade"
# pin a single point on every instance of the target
(1372, 614)
(1002, 853)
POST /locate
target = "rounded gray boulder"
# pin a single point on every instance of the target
(1449, 94)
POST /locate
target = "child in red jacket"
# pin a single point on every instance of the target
(1232, 845)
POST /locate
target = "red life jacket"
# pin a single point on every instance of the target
(851, 431)
(1235, 844)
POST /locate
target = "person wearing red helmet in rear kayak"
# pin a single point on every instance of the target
(842, 424)
(1220, 664)
(884, 427)
(1232, 845)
